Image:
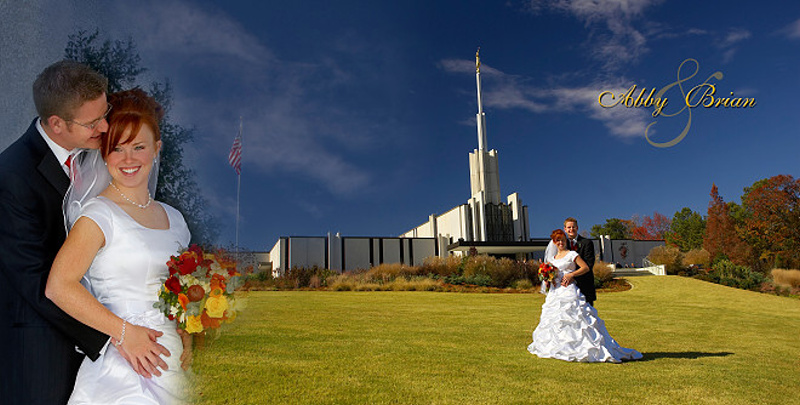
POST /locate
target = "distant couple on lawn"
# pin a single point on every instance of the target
(569, 328)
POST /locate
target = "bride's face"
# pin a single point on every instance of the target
(129, 164)
(561, 243)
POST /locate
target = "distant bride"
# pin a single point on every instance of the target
(569, 328)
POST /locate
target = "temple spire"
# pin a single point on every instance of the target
(481, 117)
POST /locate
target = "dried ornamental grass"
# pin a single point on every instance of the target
(788, 278)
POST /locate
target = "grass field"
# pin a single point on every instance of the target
(702, 344)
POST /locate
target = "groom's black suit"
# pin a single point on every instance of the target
(37, 339)
(585, 282)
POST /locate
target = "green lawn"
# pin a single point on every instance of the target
(702, 343)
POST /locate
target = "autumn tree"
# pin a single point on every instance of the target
(721, 239)
(686, 230)
(119, 62)
(650, 228)
(614, 227)
(771, 220)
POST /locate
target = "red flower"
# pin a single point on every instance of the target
(173, 284)
(184, 264)
(196, 250)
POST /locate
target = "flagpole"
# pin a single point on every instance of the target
(238, 192)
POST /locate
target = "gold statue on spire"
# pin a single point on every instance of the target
(478, 60)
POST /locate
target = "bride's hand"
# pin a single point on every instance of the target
(142, 350)
(566, 279)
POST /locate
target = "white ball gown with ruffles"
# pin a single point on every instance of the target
(126, 276)
(570, 329)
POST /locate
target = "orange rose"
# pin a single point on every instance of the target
(209, 322)
(218, 281)
(183, 299)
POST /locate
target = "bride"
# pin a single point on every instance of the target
(569, 328)
(113, 263)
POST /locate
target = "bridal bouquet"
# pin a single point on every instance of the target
(547, 272)
(199, 290)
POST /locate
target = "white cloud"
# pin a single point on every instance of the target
(184, 28)
(728, 44)
(513, 92)
(614, 38)
(735, 36)
(286, 129)
(792, 31)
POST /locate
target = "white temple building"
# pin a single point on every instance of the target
(484, 223)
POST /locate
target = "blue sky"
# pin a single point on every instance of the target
(359, 115)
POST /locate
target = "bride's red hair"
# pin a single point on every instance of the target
(558, 234)
(130, 109)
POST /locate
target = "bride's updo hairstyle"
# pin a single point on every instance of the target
(558, 234)
(130, 109)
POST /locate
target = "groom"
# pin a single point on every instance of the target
(585, 249)
(37, 339)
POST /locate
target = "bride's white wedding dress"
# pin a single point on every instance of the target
(126, 276)
(569, 328)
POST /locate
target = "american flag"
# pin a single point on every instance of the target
(235, 156)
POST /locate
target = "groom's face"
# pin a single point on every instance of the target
(86, 128)
(571, 228)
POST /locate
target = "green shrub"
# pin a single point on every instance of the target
(482, 280)
(727, 273)
(261, 276)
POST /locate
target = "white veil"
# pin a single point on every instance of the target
(89, 177)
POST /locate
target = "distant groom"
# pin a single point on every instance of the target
(585, 249)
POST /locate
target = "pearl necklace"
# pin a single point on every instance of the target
(142, 206)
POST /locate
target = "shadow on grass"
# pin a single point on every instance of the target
(681, 355)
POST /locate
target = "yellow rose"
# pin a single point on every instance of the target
(216, 306)
(194, 324)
